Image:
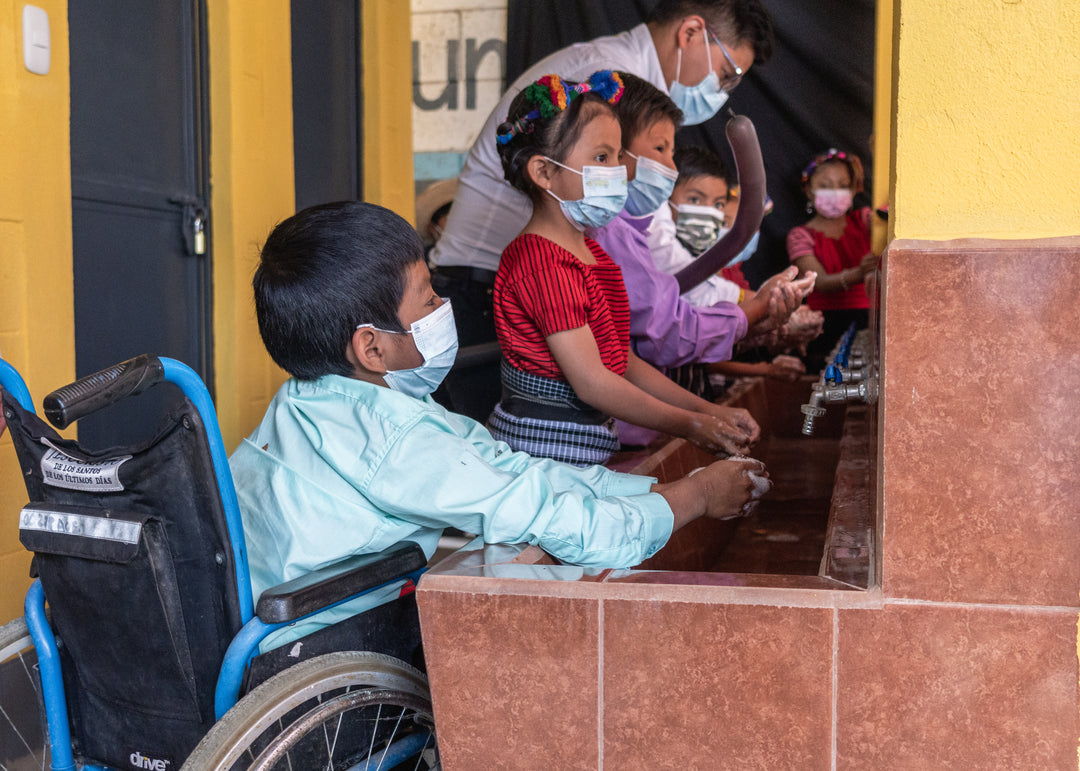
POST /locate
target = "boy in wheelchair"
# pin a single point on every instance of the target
(151, 622)
(353, 455)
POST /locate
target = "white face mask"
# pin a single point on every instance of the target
(435, 337)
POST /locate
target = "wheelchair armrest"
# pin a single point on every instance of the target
(321, 588)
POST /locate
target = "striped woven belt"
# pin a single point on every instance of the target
(525, 395)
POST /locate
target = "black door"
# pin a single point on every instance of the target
(326, 100)
(139, 185)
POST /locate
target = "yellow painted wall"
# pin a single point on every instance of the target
(883, 126)
(251, 176)
(252, 189)
(987, 118)
(36, 297)
(387, 89)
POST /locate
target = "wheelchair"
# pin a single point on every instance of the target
(148, 655)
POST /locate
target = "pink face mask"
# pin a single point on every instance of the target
(832, 203)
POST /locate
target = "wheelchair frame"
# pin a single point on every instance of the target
(290, 597)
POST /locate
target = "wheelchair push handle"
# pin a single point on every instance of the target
(91, 393)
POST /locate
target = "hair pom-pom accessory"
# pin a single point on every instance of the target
(549, 96)
(608, 85)
(557, 90)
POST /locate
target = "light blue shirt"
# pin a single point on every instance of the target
(340, 467)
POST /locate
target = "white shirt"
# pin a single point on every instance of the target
(671, 256)
(488, 213)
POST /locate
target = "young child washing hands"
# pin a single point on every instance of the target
(353, 455)
(561, 308)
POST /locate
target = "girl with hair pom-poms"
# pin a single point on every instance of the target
(561, 309)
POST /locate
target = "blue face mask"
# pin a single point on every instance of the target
(651, 186)
(604, 196)
(701, 102)
(435, 337)
(747, 251)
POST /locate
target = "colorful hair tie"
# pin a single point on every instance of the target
(522, 125)
(550, 96)
(832, 154)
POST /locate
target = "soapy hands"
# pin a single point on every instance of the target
(725, 489)
(776, 300)
(729, 430)
(801, 328)
(732, 487)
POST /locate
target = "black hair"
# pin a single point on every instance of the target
(553, 137)
(322, 272)
(694, 161)
(642, 104)
(442, 211)
(733, 21)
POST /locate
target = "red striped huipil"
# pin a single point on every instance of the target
(541, 289)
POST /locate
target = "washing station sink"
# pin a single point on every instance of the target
(816, 521)
(720, 643)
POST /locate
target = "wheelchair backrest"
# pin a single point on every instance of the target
(132, 549)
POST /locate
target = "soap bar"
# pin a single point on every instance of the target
(762, 484)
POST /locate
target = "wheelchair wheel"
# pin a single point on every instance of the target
(348, 710)
(24, 740)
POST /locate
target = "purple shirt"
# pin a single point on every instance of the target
(666, 330)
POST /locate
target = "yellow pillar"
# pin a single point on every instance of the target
(986, 119)
(252, 189)
(884, 71)
(37, 313)
(387, 89)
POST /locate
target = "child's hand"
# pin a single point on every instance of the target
(803, 327)
(776, 300)
(731, 487)
(741, 421)
(785, 291)
(806, 284)
(869, 263)
(718, 434)
(785, 368)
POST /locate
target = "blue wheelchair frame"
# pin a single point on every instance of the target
(243, 646)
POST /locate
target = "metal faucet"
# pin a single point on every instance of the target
(847, 379)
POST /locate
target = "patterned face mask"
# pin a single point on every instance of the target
(698, 227)
(605, 191)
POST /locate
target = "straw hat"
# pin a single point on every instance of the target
(434, 197)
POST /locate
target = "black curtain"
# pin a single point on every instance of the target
(814, 93)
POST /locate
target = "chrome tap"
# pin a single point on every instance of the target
(847, 379)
